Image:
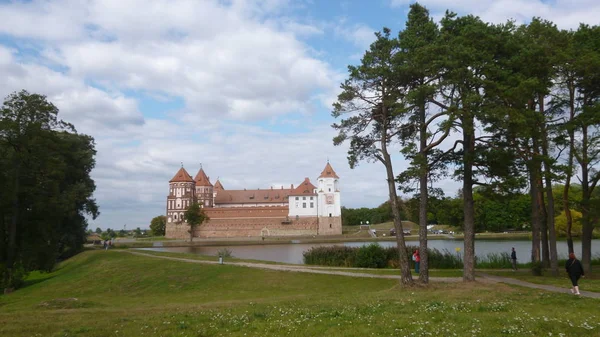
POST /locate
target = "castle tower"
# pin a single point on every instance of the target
(204, 189)
(182, 193)
(329, 203)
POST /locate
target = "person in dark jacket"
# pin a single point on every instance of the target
(575, 271)
(513, 259)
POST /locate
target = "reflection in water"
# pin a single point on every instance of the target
(292, 253)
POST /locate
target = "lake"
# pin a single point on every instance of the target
(292, 253)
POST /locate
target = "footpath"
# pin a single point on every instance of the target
(332, 271)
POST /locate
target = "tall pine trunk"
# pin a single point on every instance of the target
(405, 275)
(543, 222)
(566, 204)
(587, 226)
(469, 212)
(424, 196)
(535, 213)
(549, 195)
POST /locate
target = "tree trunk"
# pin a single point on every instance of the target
(469, 212)
(535, 214)
(543, 223)
(566, 204)
(405, 275)
(12, 227)
(587, 226)
(549, 197)
(424, 196)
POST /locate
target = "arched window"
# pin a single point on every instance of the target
(175, 216)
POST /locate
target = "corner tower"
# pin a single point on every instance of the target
(181, 195)
(204, 189)
(329, 202)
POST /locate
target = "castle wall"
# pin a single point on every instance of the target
(330, 225)
(245, 222)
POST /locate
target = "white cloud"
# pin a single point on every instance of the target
(360, 34)
(567, 14)
(230, 63)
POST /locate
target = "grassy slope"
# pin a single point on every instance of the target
(119, 294)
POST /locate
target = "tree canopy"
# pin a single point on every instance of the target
(47, 191)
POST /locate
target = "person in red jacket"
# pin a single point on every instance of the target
(575, 271)
(417, 258)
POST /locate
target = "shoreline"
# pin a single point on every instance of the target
(257, 241)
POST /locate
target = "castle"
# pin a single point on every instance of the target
(303, 210)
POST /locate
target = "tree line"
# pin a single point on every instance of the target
(493, 212)
(503, 107)
(46, 189)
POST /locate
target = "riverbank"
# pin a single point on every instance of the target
(244, 241)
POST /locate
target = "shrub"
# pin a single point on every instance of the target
(333, 256)
(16, 280)
(494, 260)
(224, 252)
(371, 256)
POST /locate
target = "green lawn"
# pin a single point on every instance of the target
(114, 293)
(586, 283)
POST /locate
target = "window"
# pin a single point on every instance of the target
(330, 215)
(303, 205)
(311, 198)
(297, 198)
(303, 198)
(312, 205)
(330, 190)
(329, 225)
(175, 216)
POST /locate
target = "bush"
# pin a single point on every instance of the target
(17, 278)
(333, 256)
(224, 252)
(494, 260)
(375, 256)
(371, 256)
(537, 268)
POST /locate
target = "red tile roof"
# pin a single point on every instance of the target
(328, 172)
(305, 188)
(201, 179)
(182, 177)
(252, 196)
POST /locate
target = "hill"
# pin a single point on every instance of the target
(114, 293)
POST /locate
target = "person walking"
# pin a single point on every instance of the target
(513, 259)
(417, 258)
(575, 271)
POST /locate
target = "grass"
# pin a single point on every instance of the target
(113, 293)
(587, 283)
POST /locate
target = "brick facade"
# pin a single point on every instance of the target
(245, 222)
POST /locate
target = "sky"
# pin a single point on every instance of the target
(242, 87)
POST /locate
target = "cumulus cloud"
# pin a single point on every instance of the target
(229, 63)
(567, 14)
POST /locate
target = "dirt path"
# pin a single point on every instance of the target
(483, 277)
(509, 280)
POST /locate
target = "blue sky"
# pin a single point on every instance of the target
(243, 87)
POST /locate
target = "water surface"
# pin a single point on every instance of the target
(292, 253)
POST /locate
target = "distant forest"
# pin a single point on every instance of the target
(493, 212)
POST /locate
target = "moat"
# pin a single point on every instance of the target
(292, 253)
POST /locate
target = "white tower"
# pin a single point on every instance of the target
(330, 207)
